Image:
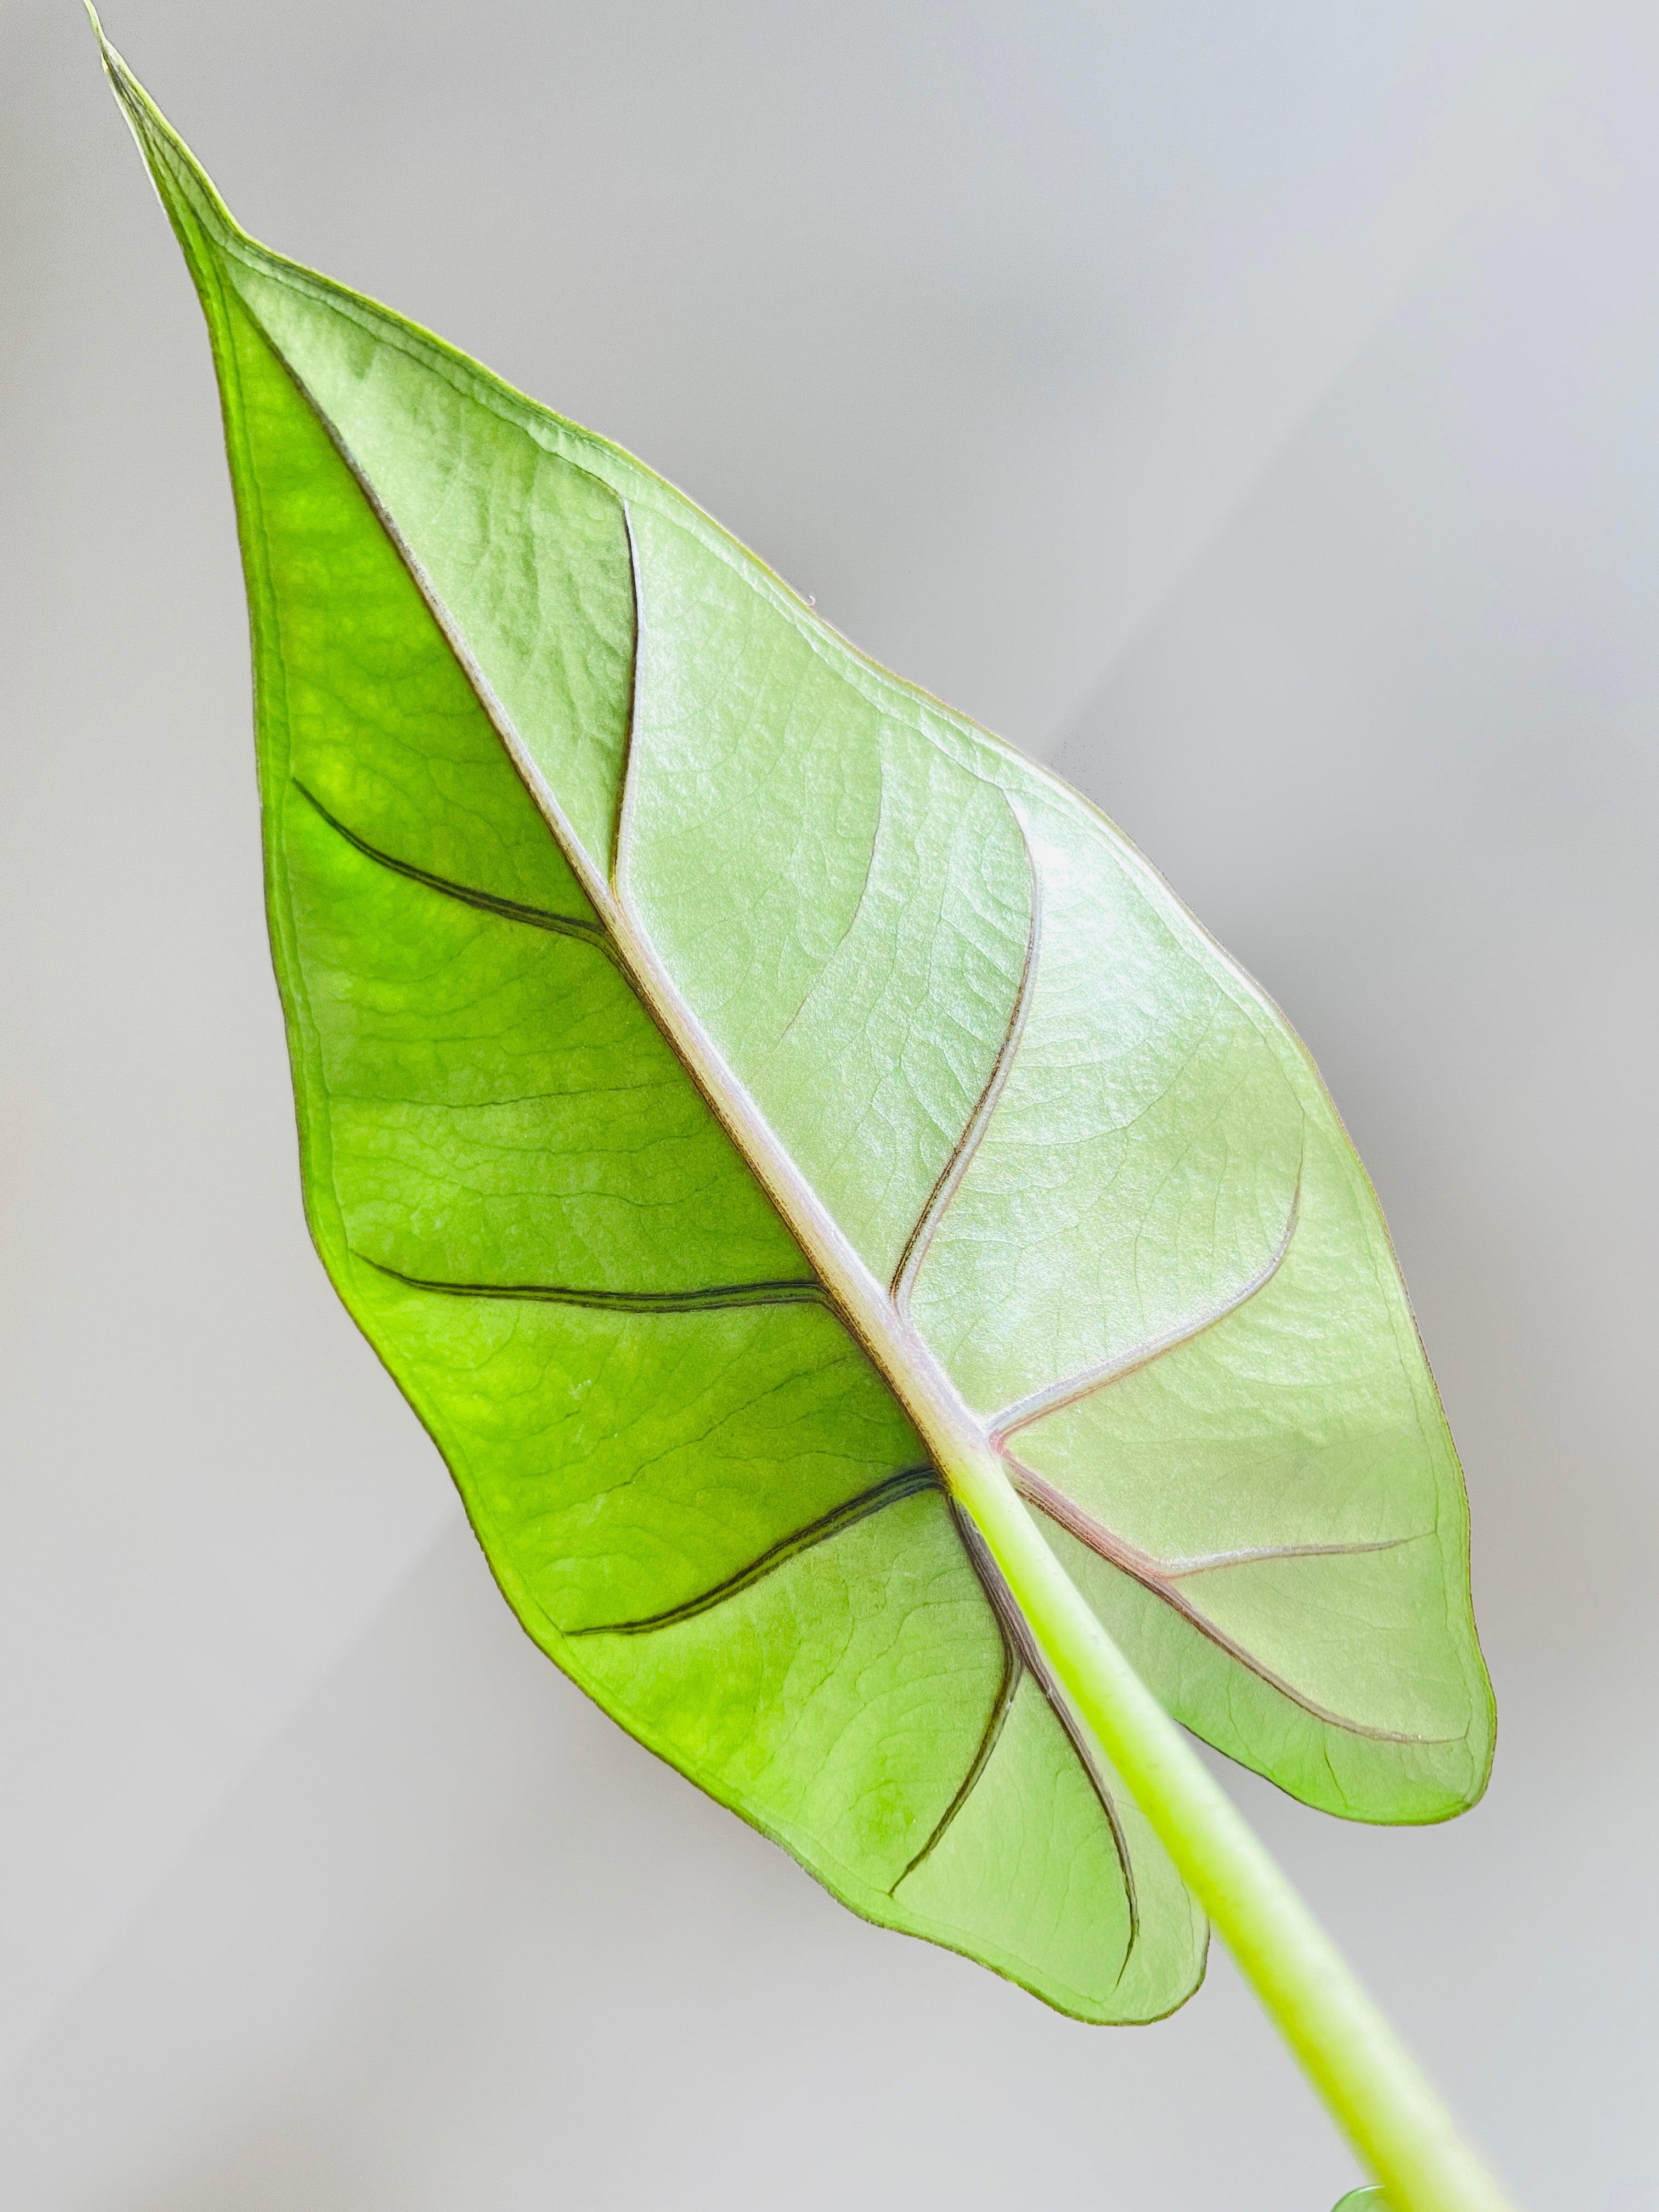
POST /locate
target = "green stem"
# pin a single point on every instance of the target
(1371, 2082)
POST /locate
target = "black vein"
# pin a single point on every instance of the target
(556, 925)
(713, 1298)
(909, 1482)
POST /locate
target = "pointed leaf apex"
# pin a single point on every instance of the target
(182, 184)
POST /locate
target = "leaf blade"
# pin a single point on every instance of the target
(677, 698)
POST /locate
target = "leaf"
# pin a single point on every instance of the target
(733, 1090)
(1361, 2200)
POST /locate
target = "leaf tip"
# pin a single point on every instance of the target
(120, 77)
(181, 183)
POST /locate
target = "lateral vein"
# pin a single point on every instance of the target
(956, 1167)
(1152, 1575)
(536, 917)
(1054, 1397)
(713, 1298)
(1011, 1618)
(909, 1482)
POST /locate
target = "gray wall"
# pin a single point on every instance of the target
(1251, 408)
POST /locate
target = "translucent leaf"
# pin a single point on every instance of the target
(713, 1057)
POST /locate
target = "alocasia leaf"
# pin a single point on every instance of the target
(731, 1087)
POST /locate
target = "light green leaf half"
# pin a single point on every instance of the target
(725, 1076)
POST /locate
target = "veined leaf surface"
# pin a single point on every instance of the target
(725, 1077)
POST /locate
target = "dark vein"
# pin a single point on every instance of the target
(1055, 1396)
(712, 1298)
(962, 1153)
(1149, 1572)
(1013, 1669)
(1017, 1629)
(909, 1482)
(556, 925)
(625, 773)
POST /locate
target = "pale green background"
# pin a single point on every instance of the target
(1253, 408)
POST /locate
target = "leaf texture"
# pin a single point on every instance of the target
(709, 1052)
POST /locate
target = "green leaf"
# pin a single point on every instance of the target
(1361, 2200)
(734, 1092)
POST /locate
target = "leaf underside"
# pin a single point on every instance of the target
(507, 679)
